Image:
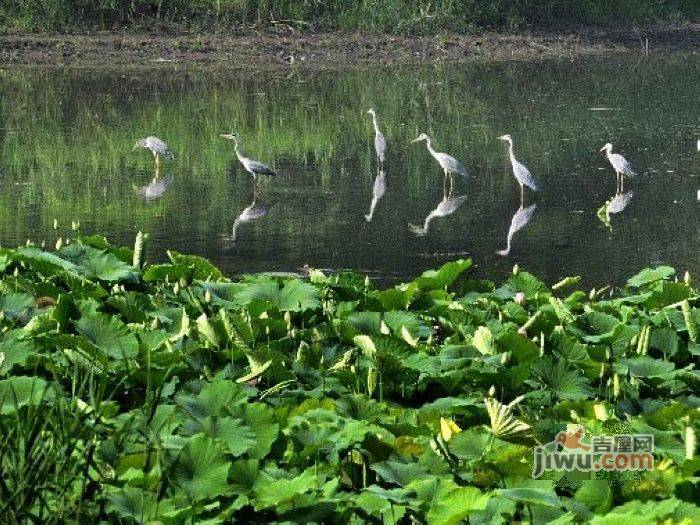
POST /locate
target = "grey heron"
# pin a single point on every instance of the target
(155, 146)
(447, 206)
(378, 190)
(448, 163)
(521, 173)
(620, 165)
(379, 140)
(254, 167)
(519, 220)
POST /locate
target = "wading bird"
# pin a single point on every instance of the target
(254, 167)
(378, 190)
(448, 163)
(621, 166)
(521, 173)
(379, 140)
(518, 222)
(155, 146)
(447, 206)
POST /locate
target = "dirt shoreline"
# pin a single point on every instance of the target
(327, 50)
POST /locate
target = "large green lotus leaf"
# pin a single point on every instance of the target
(563, 381)
(596, 494)
(397, 320)
(667, 293)
(214, 399)
(366, 322)
(271, 492)
(201, 268)
(645, 366)
(532, 496)
(108, 334)
(14, 305)
(650, 275)
(20, 391)
(451, 504)
(399, 473)
(260, 419)
(162, 272)
(522, 349)
(101, 243)
(443, 277)
(97, 264)
(43, 262)
(237, 438)
(298, 296)
(671, 510)
(523, 282)
(201, 470)
(483, 341)
(244, 473)
(498, 511)
(470, 444)
(15, 351)
(131, 503)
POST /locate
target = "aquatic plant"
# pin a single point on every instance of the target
(166, 392)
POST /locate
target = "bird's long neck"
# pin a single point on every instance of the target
(608, 152)
(430, 148)
(376, 125)
(510, 151)
(238, 152)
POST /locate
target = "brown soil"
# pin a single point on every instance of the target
(326, 50)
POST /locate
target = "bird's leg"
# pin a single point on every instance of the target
(156, 176)
(622, 182)
(522, 195)
(617, 189)
(451, 185)
(444, 184)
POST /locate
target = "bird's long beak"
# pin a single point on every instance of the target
(415, 140)
(136, 146)
(228, 136)
(502, 137)
(603, 148)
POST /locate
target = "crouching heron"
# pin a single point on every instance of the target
(520, 172)
(155, 146)
(621, 166)
(448, 163)
(254, 167)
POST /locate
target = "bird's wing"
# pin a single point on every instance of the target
(159, 146)
(621, 165)
(454, 165)
(380, 146)
(379, 185)
(258, 167)
(524, 176)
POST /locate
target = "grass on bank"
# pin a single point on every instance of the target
(140, 393)
(389, 16)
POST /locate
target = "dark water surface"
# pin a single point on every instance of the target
(66, 139)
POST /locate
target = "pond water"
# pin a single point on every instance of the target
(66, 142)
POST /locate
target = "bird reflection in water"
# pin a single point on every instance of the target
(255, 210)
(517, 223)
(615, 205)
(448, 205)
(156, 188)
(378, 191)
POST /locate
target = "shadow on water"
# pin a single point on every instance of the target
(66, 140)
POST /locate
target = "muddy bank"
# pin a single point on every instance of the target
(328, 50)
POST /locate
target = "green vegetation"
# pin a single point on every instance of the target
(393, 16)
(140, 393)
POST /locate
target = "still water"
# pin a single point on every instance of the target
(66, 142)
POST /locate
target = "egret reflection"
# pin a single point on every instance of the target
(255, 210)
(155, 189)
(517, 223)
(448, 205)
(378, 191)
